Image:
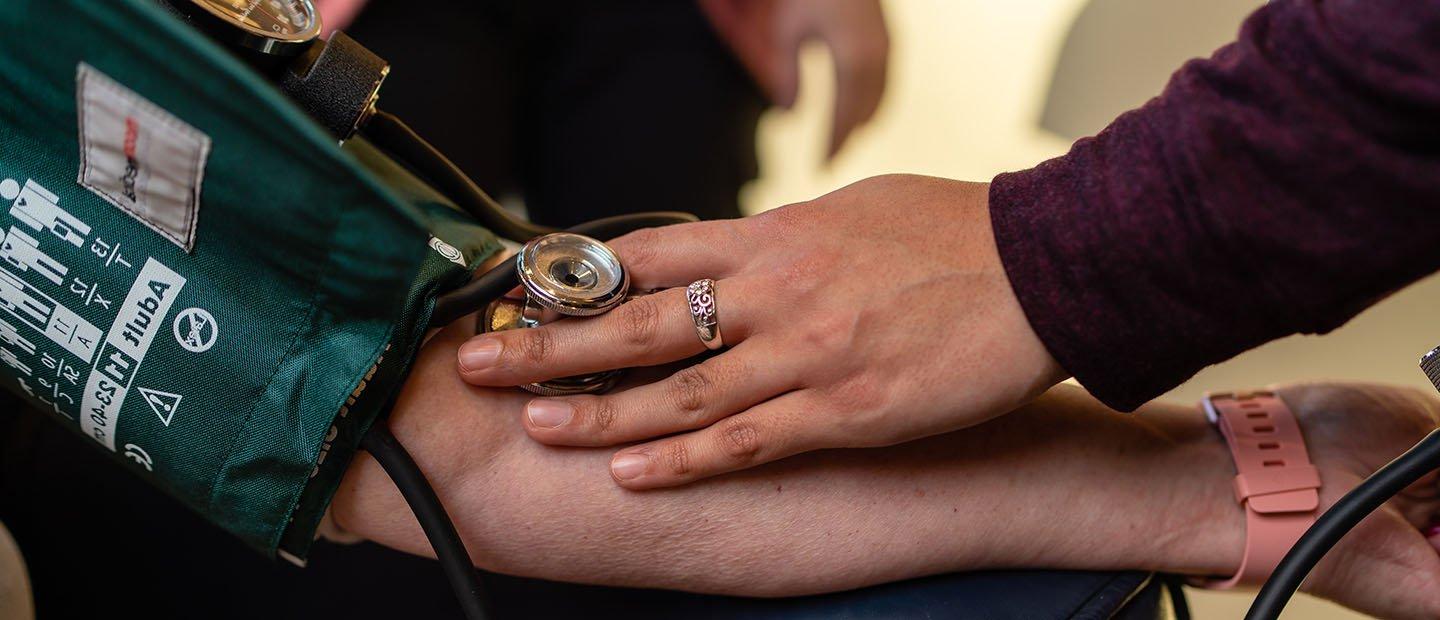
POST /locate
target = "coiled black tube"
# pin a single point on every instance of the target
(439, 529)
(392, 135)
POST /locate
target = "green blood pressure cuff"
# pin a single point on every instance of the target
(193, 275)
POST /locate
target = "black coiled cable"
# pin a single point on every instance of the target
(439, 529)
(390, 134)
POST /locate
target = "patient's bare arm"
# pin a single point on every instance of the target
(1063, 483)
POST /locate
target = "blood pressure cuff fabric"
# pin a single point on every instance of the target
(193, 275)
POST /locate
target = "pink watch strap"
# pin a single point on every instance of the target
(1275, 482)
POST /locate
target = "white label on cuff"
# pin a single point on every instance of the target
(139, 157)
(140, 318)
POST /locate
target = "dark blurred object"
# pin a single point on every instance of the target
(586, 109)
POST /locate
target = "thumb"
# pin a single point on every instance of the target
(860, 73)
(1384, 567)
(750, 29)
(784, 66)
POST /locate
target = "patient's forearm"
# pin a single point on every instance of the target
(1062, 483)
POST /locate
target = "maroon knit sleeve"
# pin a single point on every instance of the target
(1281, 186)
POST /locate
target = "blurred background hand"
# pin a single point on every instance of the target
(767, 37)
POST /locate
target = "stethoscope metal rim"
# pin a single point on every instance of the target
(538, 261)
(600, 284)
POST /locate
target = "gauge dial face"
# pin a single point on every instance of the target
(279, 19)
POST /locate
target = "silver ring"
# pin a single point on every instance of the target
(701, 296)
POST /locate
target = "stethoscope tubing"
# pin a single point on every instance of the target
(394, 136)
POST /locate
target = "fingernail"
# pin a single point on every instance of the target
(477, 354)
(549, 413)
(628, 466)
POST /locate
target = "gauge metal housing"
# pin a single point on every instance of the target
(228, 23)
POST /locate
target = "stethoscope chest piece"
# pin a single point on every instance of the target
(571, 275)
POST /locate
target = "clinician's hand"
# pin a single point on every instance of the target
(766, 36)
(873, 315)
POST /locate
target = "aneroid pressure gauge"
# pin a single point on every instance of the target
(336, 81)
(284, 28)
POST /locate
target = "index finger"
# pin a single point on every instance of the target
(650, 330)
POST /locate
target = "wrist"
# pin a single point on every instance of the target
(1154, 486)
(1204, 533)
(1046, 371)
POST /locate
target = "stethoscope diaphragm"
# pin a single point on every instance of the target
(572, 274)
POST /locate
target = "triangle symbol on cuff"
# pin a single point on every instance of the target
(163, 404)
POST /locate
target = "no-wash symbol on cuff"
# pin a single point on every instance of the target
(196, 330)
(163, 404)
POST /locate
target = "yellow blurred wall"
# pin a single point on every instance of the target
(968, 86)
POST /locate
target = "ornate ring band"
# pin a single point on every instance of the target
(701, 295)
